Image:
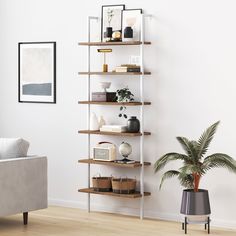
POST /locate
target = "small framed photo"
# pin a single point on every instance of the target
(111, 20)
(37, 72)
(131, 24)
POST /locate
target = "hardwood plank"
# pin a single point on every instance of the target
(113, 43)
(137, 164)
(115, 103)
(61, 221)
(112, 133)
(133, 195)
(113, 73)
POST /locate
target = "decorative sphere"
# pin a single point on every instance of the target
(116, 35)
(125, 149)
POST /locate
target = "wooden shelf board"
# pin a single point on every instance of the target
(113, 73)
(112, 43)
(115, 103)
(133, 195)
(137, 164)
(112, 133)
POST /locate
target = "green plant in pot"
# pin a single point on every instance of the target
(124, 95)
(195, 201)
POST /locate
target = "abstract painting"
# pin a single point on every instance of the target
(37, 72)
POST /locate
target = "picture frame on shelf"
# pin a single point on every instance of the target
(37, 72)
(131, 24)
(111, 21)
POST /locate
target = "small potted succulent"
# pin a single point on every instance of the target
(124, 95)
(195, 201)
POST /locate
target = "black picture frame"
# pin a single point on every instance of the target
(107, 6)
(126, 10)
(53, 70)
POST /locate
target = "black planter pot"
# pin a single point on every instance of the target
(195, 203)
(133, 125)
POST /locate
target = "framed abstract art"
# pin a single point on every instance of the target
(37, 72)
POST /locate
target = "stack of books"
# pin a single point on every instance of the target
(114, 128)
(128, 68)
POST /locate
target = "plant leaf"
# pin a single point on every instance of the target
(167, 175)
(206, 138)
(189, 147)
(219, 160)
(172, 156)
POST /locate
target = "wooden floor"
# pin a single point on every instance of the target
(56, 221)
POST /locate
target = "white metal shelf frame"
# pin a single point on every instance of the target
(141, 49)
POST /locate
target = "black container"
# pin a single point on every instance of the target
(133, 125)
(108, 33)
(128, 32)
(195, 203)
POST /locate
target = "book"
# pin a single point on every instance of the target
(127, 69)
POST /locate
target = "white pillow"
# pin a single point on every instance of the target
(13, 148)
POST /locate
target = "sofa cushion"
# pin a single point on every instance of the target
(13, 148)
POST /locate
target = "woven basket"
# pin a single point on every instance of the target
(123, 185)
(102, 184)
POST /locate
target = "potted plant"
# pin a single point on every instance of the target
(124, 95)
(195, 201)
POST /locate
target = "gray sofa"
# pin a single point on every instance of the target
(23, 183)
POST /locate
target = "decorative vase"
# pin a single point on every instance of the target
(101, 122)
(108, 33)
(133, 125)
(128, 34)
(195, 203)
(94, 125)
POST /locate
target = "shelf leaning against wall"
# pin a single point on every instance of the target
(138, 164)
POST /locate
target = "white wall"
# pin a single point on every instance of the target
(193, 82)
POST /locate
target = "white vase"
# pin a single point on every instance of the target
(101, 122)
(94, 125)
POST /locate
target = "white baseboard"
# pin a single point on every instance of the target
(135, 212)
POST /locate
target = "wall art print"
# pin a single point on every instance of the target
(37, 72)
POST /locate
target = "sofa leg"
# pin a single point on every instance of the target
(25, 218)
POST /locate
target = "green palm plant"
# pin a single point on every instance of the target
(195, 164)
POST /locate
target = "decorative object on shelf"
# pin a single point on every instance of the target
(125, 149)
(104, 151)
(104, 51)
(194, 166)
(101, 122)
(105, 85)
(127, 68)
(133, 125)
(124, 95)
(102, 184)
(114, 128)
(123, 185)
(94, 122)
(111, 18)
(37, 72)
(131, 18)
(104, 96)
(116, 36)
(128, 34)
(108, 34)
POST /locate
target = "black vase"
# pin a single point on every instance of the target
(133, 125)
(195, 203)
(128, 33)
(108, 32)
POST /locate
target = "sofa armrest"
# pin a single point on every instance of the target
(23, 185)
